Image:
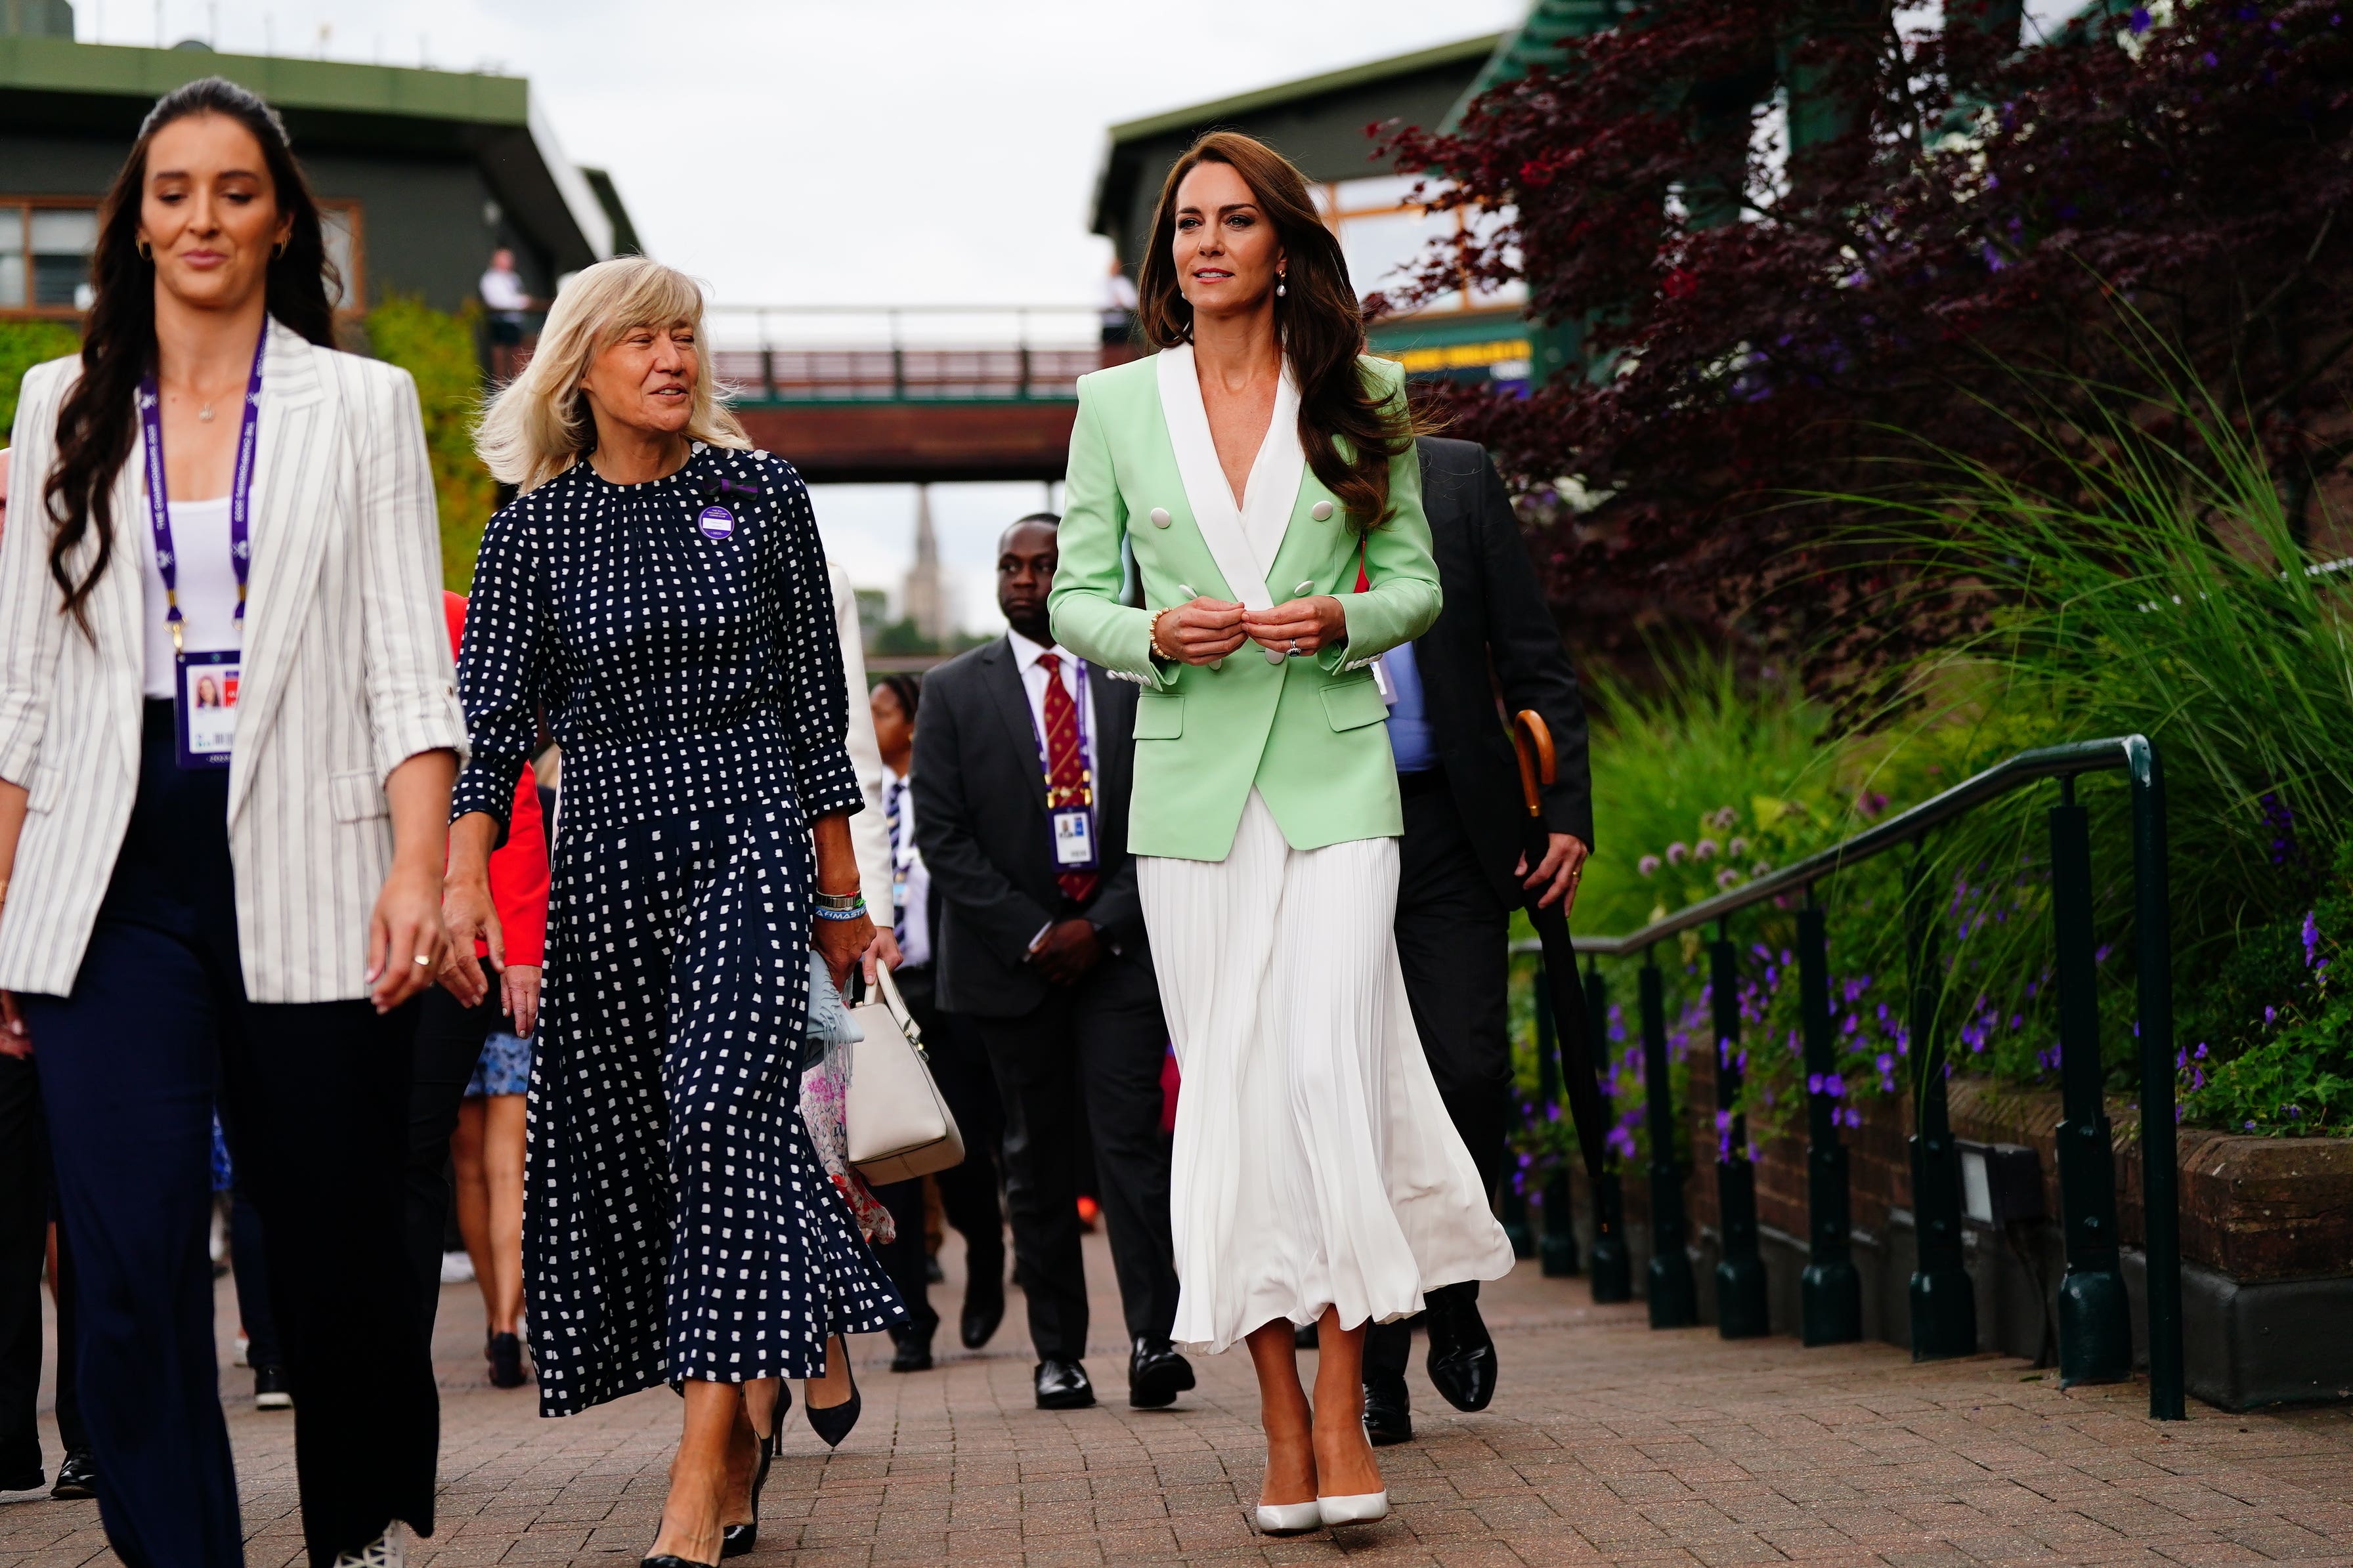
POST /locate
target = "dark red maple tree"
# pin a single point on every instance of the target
(1798, 238)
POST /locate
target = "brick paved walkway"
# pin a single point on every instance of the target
(1610, 1444)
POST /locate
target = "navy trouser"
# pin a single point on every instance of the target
(315, 1096)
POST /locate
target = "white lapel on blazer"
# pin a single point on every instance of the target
(1206, 491)
(1273, 487)
(297, 454)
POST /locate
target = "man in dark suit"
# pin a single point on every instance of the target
(1023, 762)
(1462, 871)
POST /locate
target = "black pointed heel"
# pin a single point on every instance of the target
(834, 1423)
(667, 1561)
(735, 1539)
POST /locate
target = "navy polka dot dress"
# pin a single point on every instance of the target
(678, 636)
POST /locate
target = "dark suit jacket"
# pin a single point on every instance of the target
(1494, 608)
(980, 821)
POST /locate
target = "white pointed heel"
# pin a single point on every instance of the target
(1291, 1517)
(1361, 1508)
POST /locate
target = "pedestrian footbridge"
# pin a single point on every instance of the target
(919, 393)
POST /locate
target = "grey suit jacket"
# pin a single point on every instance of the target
(347, 675)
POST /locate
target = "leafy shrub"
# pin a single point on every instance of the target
(439, 350)
(23, 345)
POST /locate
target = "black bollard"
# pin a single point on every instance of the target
(1674, 1298)
(1740, 1301)
(1944, 1304)
(1556, 1240)
(2094, 1314)
(1830, 1289)
(1611, 1268)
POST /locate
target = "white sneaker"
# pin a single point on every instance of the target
(386, 1551)
(456, 1269)
(244, 1346)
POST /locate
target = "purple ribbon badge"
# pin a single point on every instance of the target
(716, 522)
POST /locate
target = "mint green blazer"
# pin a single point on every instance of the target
(1308, 733)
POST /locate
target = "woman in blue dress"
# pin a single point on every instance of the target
(657, 592)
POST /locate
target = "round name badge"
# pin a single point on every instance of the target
(716, 522)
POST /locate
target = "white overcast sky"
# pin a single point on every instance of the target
(849, 151)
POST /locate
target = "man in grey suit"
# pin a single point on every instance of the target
(1461, 870)
(1023, 762)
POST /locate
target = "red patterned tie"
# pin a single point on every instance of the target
(1066, 765)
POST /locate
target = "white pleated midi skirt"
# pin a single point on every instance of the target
(1314, 1165)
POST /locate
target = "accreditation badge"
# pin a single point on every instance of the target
(205, 706)
(1074, 838)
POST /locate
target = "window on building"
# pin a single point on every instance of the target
(45, 249)
(1383, 234)
(45, 244)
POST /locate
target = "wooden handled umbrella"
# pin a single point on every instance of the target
(1532, 739)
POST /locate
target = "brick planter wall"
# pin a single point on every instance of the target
(2266, 1235)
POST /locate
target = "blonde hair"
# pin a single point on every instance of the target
(538, 425)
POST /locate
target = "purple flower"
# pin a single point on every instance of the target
(1724, 818)
(2311, 940)
(1814, 1082)
(1727, 876)
(1648, 865)
(2139, 21)
(1704, 849)
(1736, 849)
(1678, 852)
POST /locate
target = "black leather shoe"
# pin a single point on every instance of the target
(984, 1302)
(914, 1352)
(1063, 1385)
(76, 1476)
(1389, 1412)
(667, 1561)
(1156, 1374)
(30, 1480)
(1462, 1364)
(735, 1539)
(505, 1353)
(834, 1421)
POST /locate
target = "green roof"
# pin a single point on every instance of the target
(60, 65)
(1535, 42)
(1306, 87)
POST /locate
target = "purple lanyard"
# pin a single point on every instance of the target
(240, 493)
(1045, 762)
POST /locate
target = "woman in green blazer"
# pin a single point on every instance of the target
(1262, 471)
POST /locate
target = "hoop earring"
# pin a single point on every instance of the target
(146, 249)
(279, 253)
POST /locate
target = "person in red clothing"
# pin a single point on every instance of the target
(474, 1043)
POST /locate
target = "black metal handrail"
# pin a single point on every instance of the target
(2094, 1331)
(2131, 753)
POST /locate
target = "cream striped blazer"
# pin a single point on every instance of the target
(347, 674)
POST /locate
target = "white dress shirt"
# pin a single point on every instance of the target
(502, 292)
(908, 871)
(1027, 653)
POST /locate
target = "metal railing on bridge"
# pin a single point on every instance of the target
(2095, 1329)
(906, 353)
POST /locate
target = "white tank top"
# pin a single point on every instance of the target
(207, 586)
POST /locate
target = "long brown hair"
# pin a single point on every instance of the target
(1350, 438)
(118, 344)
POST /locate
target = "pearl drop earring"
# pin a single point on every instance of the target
(1278, 285)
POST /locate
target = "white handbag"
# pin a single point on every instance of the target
(898, 1123)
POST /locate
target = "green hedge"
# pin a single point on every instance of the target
(23, 345)
(439, 350)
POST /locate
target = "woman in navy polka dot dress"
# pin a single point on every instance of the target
(659, 595)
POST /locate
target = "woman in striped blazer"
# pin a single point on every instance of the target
(195, 923)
